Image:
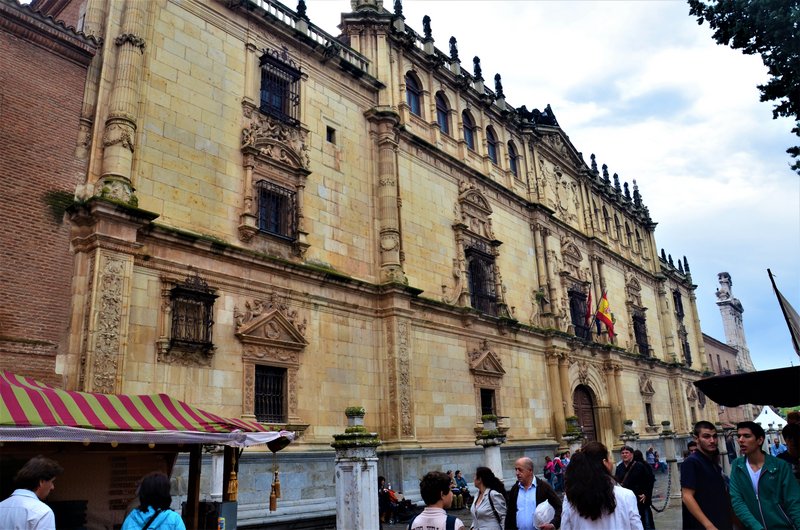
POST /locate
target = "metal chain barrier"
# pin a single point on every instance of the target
(666, 496)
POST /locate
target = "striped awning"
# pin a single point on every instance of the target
(33, 407)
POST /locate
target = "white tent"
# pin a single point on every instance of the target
(767, 417)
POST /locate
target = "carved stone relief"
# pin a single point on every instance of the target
(105, 358)
(646, 386)
(277, 141)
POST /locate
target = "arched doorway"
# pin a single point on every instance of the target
(583, 403)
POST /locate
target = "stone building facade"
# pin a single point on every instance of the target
(43, 69)
(278, 224)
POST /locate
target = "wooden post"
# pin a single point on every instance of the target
(191, 513)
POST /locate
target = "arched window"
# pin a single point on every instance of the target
(513, 161)
(628, 235)
(442, 113)
(491, 142)
(638, 242)
(469, 129)
(413, 94)
(606, 221)
(617, 228)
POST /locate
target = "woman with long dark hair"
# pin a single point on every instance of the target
(489, 509)
(593, 500)
(153, 512)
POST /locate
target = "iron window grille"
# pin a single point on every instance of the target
(277, 210)
(192, 315)
(481, 274)
(640, 333)
(270, 394)
(280, 86)
(577, 312)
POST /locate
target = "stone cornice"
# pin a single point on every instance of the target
(44, 31)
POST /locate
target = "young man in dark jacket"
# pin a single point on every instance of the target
(519, 515)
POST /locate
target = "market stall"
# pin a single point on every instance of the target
(106, 443)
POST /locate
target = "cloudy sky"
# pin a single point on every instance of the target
(647, 90)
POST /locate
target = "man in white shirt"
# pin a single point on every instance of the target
(438, 496)
(24, 509)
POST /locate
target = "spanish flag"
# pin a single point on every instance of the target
(604, 315)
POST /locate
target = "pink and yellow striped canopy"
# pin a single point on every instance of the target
(25, 402)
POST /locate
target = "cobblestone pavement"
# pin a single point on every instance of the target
(669, 519)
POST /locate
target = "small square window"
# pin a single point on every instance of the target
(330, 135)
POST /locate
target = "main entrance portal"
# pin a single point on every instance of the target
(583, 403)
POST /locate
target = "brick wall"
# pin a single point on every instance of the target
(40, 102)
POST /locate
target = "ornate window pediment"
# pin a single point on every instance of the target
(646, 386)
(485, 363)
(691, 391)
(272, 329)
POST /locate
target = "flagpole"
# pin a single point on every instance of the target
(594, 313)
(785, 314)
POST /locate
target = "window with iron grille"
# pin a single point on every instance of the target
(678, 302)
(640, 333)
(280, 86)
(487, 401)
(577, 312)
(270, 394)
(481, 274)
(192, 305)
(277, 210)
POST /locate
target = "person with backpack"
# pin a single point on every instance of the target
(558, 475)
(438, 496)
(153, 512)
(489, 509)
(548, 470)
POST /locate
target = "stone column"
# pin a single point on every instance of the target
(723, 450)
(384, 123)
(559, 418)
(356, 475)
(613, 398)
(618, 385)
(666, 322)
(120, 128)
(563, 375)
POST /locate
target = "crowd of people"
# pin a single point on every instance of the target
(587, 492)
(762, 491)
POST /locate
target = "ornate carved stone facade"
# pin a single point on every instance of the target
(354, 239)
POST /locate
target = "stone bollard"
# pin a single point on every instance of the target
(668, 435)
(491, 438)
(356, 474)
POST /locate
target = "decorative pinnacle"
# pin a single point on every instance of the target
(605, 175)
(498, 86)
(627, 191)
(594, 163)
(398, 8)
(616, 184)
(637, 197)
(686, 265)
(476, 66)
(453, 49)
(301, 9)
(426, 28)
